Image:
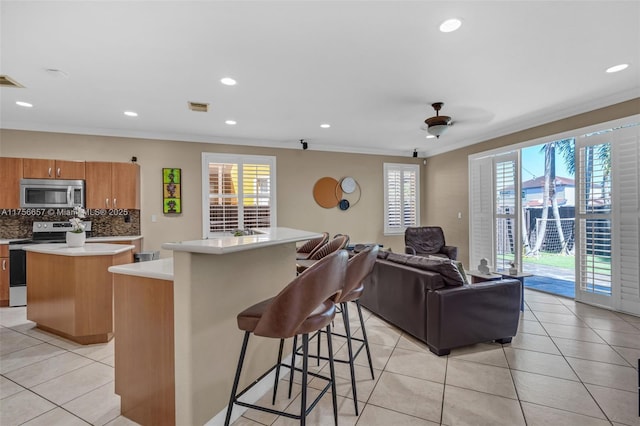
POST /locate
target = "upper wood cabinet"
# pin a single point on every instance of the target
(35, 168)
(10, 175)
(112, 185)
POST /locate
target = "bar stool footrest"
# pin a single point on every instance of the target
(277, 412)
(324, 358)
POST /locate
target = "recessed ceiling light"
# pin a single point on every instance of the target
(230, 122)
(450, 25)
(617, 68)
(228, 81)
(430, 136)
(325, 125)
(131, 114)
(24, 104)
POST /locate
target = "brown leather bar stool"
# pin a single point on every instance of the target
(311, 246)
(358, 268)
(304, 306)
(337, 243)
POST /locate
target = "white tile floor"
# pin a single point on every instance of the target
(570, 364)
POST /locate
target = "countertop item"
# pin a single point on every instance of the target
(230, 244)
(95, 249)
(161, 269)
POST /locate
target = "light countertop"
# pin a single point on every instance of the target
(230, 244)
(119, 238)
(9, 241)
(90, 239)
(94, 249)
(161, 269)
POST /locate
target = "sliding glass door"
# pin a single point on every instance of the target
(607, 214)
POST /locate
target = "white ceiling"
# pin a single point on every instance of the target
(369, 68)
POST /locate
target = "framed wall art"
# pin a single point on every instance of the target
(172, 191)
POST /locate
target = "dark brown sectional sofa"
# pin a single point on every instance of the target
(429, 300)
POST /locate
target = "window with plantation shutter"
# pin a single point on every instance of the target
(238, 192)
(401, 197)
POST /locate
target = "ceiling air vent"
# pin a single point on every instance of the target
(6, 81)
(198, 106)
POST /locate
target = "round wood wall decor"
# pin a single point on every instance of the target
(327, 192)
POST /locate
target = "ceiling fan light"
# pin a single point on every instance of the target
(438, 129)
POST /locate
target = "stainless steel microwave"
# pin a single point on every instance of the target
(36, 193)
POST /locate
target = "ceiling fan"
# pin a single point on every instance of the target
(440, 123)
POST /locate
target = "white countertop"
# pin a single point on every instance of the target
(90, 239)
(9, 241)
(94, 249)
(119, 238)
(231, 244)
(161, 269)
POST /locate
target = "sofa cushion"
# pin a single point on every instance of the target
(445, 267)
(458, 264)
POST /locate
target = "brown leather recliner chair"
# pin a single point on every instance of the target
(428, 241)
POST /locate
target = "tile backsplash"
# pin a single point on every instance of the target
(13, 224)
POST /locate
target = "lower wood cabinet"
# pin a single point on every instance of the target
(144, 349)
(72, 296)
(4, 275)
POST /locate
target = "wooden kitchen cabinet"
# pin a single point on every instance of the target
(10, 175)
(4, 275)
(72, 296)
(36, 168)
(144, 355)
(112, 185)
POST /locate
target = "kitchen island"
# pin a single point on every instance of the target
(144, 350)
(213, 281)
(70, 291)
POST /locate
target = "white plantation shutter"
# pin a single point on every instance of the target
(401, 196)
(481, 235)
(593, 222)
(506, 194)
(238, 192)
(625, 155)
(223, 197)
(608, 214)
(256, 206)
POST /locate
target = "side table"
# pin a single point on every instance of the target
(520, 277)
(478, 277)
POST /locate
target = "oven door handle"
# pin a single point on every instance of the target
(69, 199)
